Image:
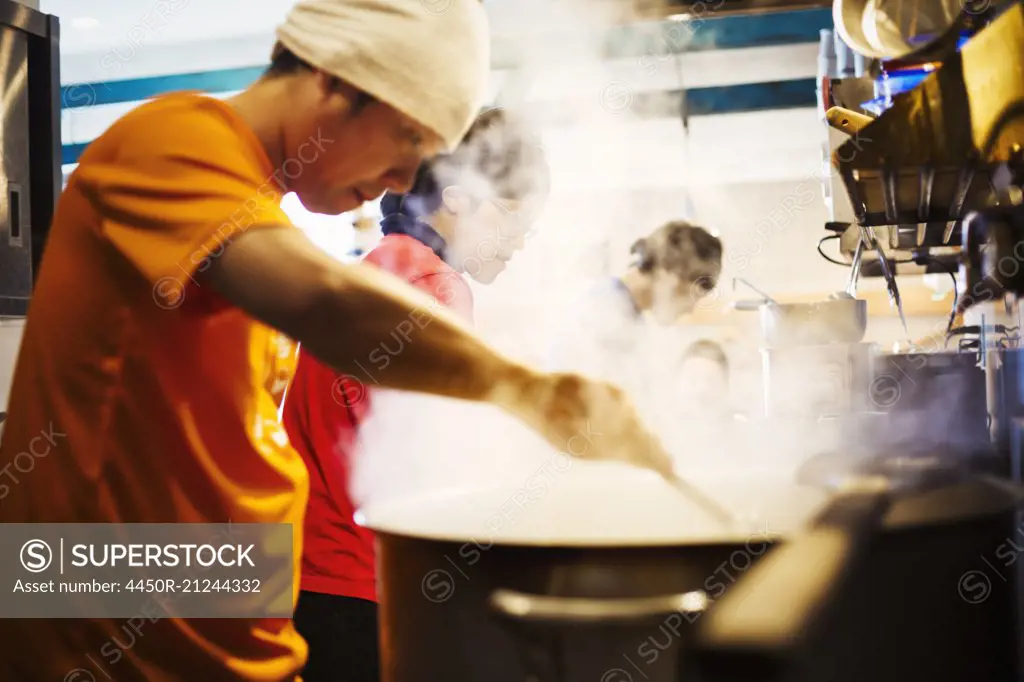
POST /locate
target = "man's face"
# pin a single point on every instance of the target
(339, 159)
(488, 235)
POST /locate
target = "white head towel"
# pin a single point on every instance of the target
(428, 59)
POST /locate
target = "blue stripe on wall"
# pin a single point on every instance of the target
(138, 89)
(722, 33)
(784, 28)
(71, 152)
(726, 99)
(732, 99)
(636, 40)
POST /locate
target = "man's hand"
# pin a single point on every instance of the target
(588, 419)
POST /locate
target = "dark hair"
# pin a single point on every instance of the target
(683, 249)
(284, 62)
(709, 350)
(498, 157)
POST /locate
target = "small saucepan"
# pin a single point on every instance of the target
(839, 320)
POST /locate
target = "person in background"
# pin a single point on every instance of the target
(467, 214)
(704, 380)
(672, 269)
(171, 272)
(689, 405)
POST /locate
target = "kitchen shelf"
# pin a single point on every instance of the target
(918, 301)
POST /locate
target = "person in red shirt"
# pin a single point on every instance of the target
(467, 213)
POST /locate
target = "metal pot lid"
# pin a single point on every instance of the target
(929, 489)
(957, 502)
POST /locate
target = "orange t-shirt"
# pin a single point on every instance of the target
(161, 398)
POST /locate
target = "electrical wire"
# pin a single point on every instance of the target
(825, 255)
(961, 331)
(830, 259)
(968, 345)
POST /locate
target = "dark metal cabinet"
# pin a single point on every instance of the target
(30, 146)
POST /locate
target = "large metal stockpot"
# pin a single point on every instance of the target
(606, 573)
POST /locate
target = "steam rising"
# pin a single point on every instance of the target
(414, 445)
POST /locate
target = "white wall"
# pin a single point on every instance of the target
(550, 82)
(584, 235)
(615, 152)
(598, 145)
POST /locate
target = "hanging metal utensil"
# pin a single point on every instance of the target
(858, 256)
(890, 279)
(851, 287)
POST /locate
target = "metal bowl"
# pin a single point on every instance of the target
(895, 29)
(843, 320)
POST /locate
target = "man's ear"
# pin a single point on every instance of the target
(456, 200)
(329, 85)
(355, 99)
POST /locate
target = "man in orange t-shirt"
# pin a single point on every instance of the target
(150, 353)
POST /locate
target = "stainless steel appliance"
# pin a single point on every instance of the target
(821, 380)
(814, 363)
(30, 147)
(938, 176)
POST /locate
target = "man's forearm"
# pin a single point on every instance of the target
(380, 330)
(363, 321)
(371, 326)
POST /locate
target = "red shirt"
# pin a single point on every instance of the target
(322, 413)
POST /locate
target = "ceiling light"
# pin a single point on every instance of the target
(84, 23)
(680, 17)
